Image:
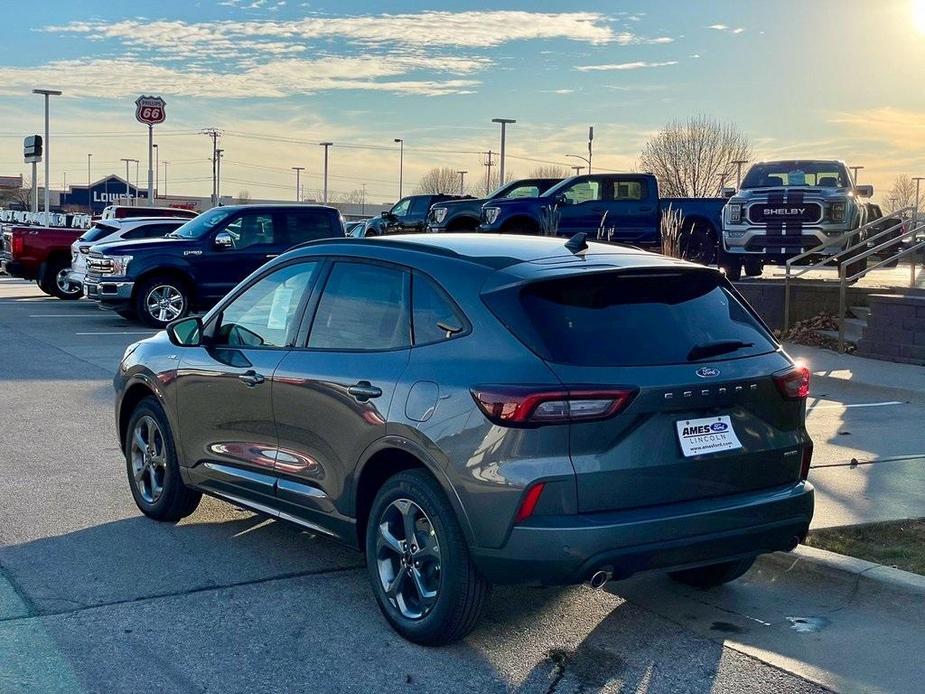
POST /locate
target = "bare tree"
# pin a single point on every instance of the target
(16, 197)
(549, 171)
(482, 186)
(244, 197)
(440, 179)
(901, 195)
(690, 157)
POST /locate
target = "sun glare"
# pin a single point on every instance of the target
(918, 15)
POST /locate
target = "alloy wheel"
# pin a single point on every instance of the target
(408, 558)
(149, 460)
(64, 284)
(164, 303)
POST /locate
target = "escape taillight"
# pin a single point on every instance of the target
(793, 383)
(525, 406)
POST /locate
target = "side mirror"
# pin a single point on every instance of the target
(728, 192)
(385, 214)
(561, 199)
(223, 240)
(186, 332)
(865, 191)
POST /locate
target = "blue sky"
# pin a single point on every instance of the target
(826, 78)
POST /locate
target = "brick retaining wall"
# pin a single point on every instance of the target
(895, 329)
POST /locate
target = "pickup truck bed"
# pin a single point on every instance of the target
(42, 254)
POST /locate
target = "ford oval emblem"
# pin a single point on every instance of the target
(707, 372)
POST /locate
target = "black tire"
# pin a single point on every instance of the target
(714, 574)
(698, 245)
(753, 267)
(521, 227)
(127, 313)
(461, 592)
(43, 288)
(143, 292)
(54, 283)
(175, 500)
(732, 267)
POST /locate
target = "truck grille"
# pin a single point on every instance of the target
(783, 212)
(99, 265)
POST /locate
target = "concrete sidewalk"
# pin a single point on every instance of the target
(825, 363)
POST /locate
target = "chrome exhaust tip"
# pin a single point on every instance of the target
(599, 578)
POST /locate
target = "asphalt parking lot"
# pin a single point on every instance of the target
(94, 597)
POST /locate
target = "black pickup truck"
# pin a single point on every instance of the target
(408, 214)
(463, 215)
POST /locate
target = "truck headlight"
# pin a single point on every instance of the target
(118, 264)
(491, 214)
(439, 214)
(735, 213)
(839, 211)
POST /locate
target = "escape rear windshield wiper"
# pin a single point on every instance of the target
(714, 349)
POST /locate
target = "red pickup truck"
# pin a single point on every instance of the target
(42, 254)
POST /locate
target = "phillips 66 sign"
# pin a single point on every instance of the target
(150, 110)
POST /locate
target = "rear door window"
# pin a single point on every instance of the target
(150, 231)
(434, 316)
(364, 307)
(307, 225)
(625, 319)
(99, 231)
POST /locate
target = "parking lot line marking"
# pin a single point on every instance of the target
(860, 404)
(119, 332)
(71, 315)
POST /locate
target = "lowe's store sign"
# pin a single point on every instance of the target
(105, 192)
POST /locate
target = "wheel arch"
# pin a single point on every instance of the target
(139, 389)
(520, 220)
(382, 460)
(464, 222)
(178, 272)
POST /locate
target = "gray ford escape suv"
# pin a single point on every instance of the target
(470, 410)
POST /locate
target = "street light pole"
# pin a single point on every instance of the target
(326, 145)
(298, 172)
(89, 197)
(462, 182)
(586, 160)
(218, 176)
(127, 195)
(401, 163)
(165, 177)
(590, 139)
(504, 122)
(47, 93)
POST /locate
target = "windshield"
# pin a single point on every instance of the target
(819, 174)
(203, 224)
(98, 231)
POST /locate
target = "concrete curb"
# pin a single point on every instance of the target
(868, 574)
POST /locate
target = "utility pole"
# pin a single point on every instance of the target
(462, 182)
(401, 163)
(590, 140)
(214, 133)
(722, 181)
(218, 176)
(855, 169)
(577, 170)
(363, 200)
(165, 178)
(738, 163)
(157, 170)
(89, 197)
(504, 122)
(326, 145)
(137, 167)
(47, 93)
(298, 171)
(488, 164)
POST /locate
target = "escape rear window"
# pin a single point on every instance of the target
(624, 319)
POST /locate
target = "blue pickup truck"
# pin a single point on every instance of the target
(625, 208)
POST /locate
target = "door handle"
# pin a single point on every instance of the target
(272, 255)
(251, 378)
(364, 390)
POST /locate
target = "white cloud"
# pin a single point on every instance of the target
(726, 28)
(637, 65)
(115, 78)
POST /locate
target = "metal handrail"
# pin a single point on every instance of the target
(835, 257)
(844, 279)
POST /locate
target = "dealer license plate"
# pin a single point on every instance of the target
(707, 435)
